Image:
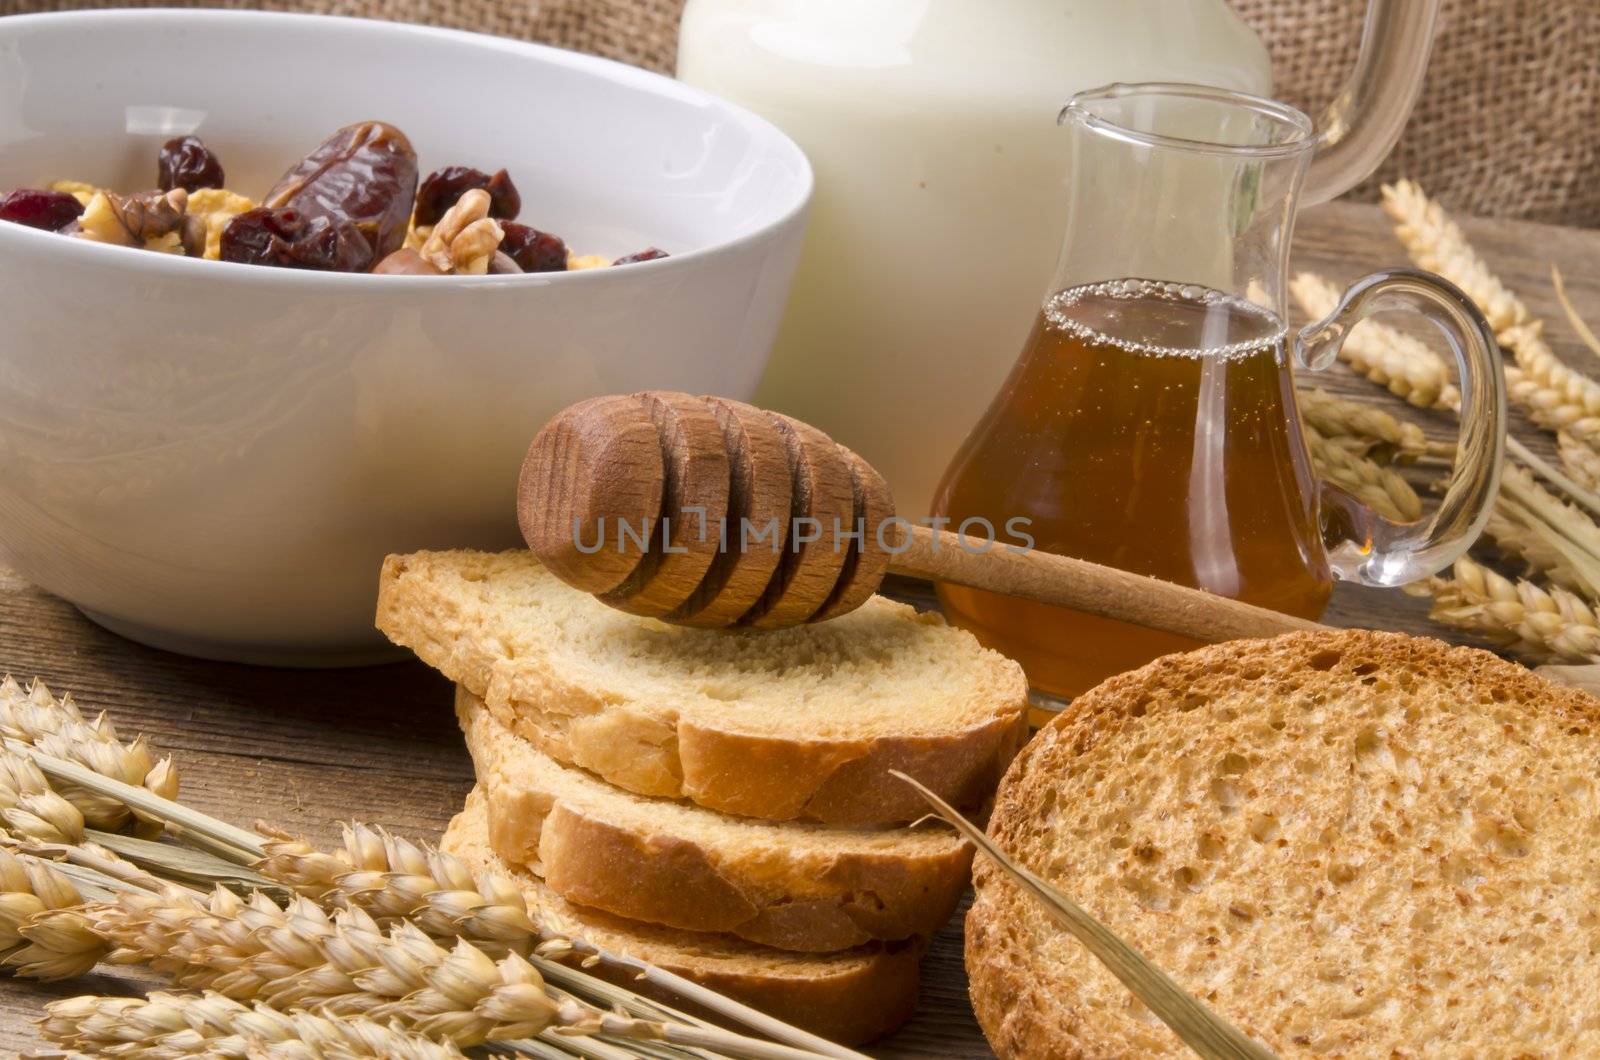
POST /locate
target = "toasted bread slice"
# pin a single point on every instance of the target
(793, 723)
(1348, 844)
(849, 997)
(795, 886)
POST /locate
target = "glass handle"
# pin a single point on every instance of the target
(1364, 546)
(1364, 120)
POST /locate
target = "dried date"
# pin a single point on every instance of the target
(363, 176)
(407, 262)
(187, 163)
(49, 210)
(533, 250)
(647, 254)
(444, 188)
(291, 239)
(503, 264)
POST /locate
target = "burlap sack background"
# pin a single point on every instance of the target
(642, 32)
(1508, 124)
(1509, 120)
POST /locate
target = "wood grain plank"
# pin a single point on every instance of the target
(307, 750)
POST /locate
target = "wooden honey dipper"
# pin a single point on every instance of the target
(631, 497)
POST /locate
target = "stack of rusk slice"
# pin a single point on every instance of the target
(716, 803)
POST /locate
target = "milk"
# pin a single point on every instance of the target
(941, 179)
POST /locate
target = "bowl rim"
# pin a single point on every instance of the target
(33, 242)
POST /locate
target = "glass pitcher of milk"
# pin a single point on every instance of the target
(941, 179)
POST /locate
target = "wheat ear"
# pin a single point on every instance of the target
(1363, 429)
(166, 1026)
(56, 727)
(31, 808)
(1380, 488)
(1549, 536)
(1436, 243)
(1413, 372)
(1557, 397)
(1580, 461)
(43, 933)
(1403, 365)
(241, 847)
(1546, 625)
(1569, 530)
(1519, 536)
(346, 965)
(390, 878)
(250, 949)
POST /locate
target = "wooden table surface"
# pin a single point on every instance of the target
(307, 750)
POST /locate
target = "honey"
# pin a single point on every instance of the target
(1147, 426)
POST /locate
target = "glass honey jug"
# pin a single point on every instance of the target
(1150, 422)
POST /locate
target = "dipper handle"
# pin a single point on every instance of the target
(1047, 578)
(708, 512)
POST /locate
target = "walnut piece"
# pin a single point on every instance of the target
(76, 188)
(416, 236)
(466, 237)
(215, 207)
(144, 220)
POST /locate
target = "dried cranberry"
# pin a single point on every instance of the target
(647, 254)
(292, 239)
(533, 250)
(188, 164)
(49, 210)
(444, 188)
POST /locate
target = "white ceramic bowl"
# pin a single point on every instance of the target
(214, 458)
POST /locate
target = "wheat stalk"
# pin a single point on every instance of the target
(1541, 624)
(1580, 494)
(1380, 488)
(1403, 365)
(1201, 1029)
(167, 1025)
(56, 727)
(1578, 324)
(1361, 428)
